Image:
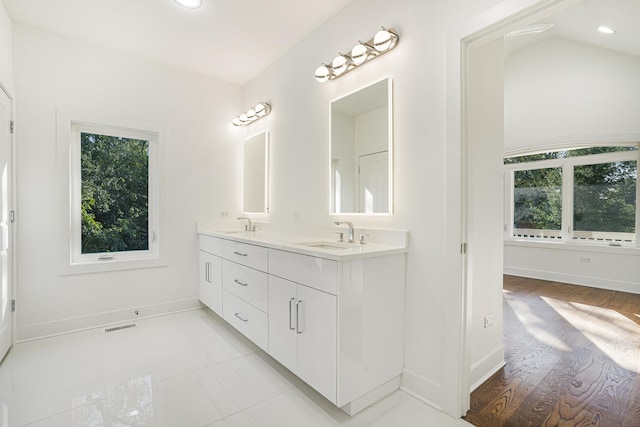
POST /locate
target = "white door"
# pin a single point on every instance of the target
(6, 256)
(210, 289)
(373, 182)
(283, 336)
(317, 340)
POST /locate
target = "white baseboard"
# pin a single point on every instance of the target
(422, 389)
(487, 366)
(80, 323)
(595, 282)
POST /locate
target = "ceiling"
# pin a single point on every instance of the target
(235, 40)
(232, 40)
(580, 23)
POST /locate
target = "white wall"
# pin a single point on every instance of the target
(299, 126)
(6, 56)
(203, 153)
(559, 91)
(597, 266)
(484, 158)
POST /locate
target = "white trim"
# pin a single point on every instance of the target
(68, 121)
(582, 246)
(421, 388)
(486, 367)
(574, 279)
(494, 22)
(573, 142)
(98, 320)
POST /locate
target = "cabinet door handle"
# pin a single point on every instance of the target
(207, 272)
(298, 328)
(240, 283)
(240, 254)
(291, 328)
(241, 317)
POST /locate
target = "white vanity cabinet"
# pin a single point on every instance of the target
(302, 333)
(210, 274)
(335, 319)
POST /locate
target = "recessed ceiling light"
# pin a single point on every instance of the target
(191, 4)
(606, 30)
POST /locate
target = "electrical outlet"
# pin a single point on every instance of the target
(224, 214)
(585, 259)
(488, 320)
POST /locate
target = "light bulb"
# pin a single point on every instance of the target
(359, 54)
(322, 73)
(606, 30)
(251, 113)
(191, 4)
(382, 40)
(244, 118)
(237, 122)
(259, 109)
(339, 64)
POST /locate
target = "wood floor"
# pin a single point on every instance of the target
(573, 359)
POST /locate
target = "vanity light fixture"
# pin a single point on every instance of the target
(253, 114)
(191, 4)
(382, 42)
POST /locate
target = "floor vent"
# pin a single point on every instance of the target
(118, 328)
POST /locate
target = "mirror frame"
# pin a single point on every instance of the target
(390, 144)
(255, 139)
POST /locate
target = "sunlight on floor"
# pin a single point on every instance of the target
(535, 325)
(614, 334)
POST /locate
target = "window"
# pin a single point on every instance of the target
(537, 200)
(587, 194)
(114, 194)
(110, 194)
(604, 201)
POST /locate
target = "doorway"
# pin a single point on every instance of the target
(6, 216)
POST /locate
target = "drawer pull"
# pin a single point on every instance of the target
(291, 328)
(241, 317)
(240, 253)
(299, 329)
(240, 283)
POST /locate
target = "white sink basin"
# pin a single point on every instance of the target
(327, 245)
(233, 231)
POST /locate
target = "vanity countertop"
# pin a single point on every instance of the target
(307, 245)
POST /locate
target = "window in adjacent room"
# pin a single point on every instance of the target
(586, 194)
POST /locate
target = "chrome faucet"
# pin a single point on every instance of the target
(350, 225)
(249, 226)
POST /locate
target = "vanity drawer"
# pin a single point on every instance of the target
(246, 283)
(318, 273)
(209, 244)
(247, 319)
(245, 254)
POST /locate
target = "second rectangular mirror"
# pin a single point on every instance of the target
(361, 151)
(255, 174)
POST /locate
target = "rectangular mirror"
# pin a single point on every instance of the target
(255, 174)
(361, 151)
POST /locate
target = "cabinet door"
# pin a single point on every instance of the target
(210, 281)
(317, 340)
(282, 321)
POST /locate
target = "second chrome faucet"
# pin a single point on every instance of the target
(350, 225)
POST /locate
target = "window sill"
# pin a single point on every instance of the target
(626, 248)
(90, 267)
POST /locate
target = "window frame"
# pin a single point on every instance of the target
(567, 235)
(70, 125)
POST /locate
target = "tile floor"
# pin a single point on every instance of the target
(181, 370)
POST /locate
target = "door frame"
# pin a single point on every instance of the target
(494, 22)
(12, 207)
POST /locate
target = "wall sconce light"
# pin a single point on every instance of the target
(253, 114)
(383, 41)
